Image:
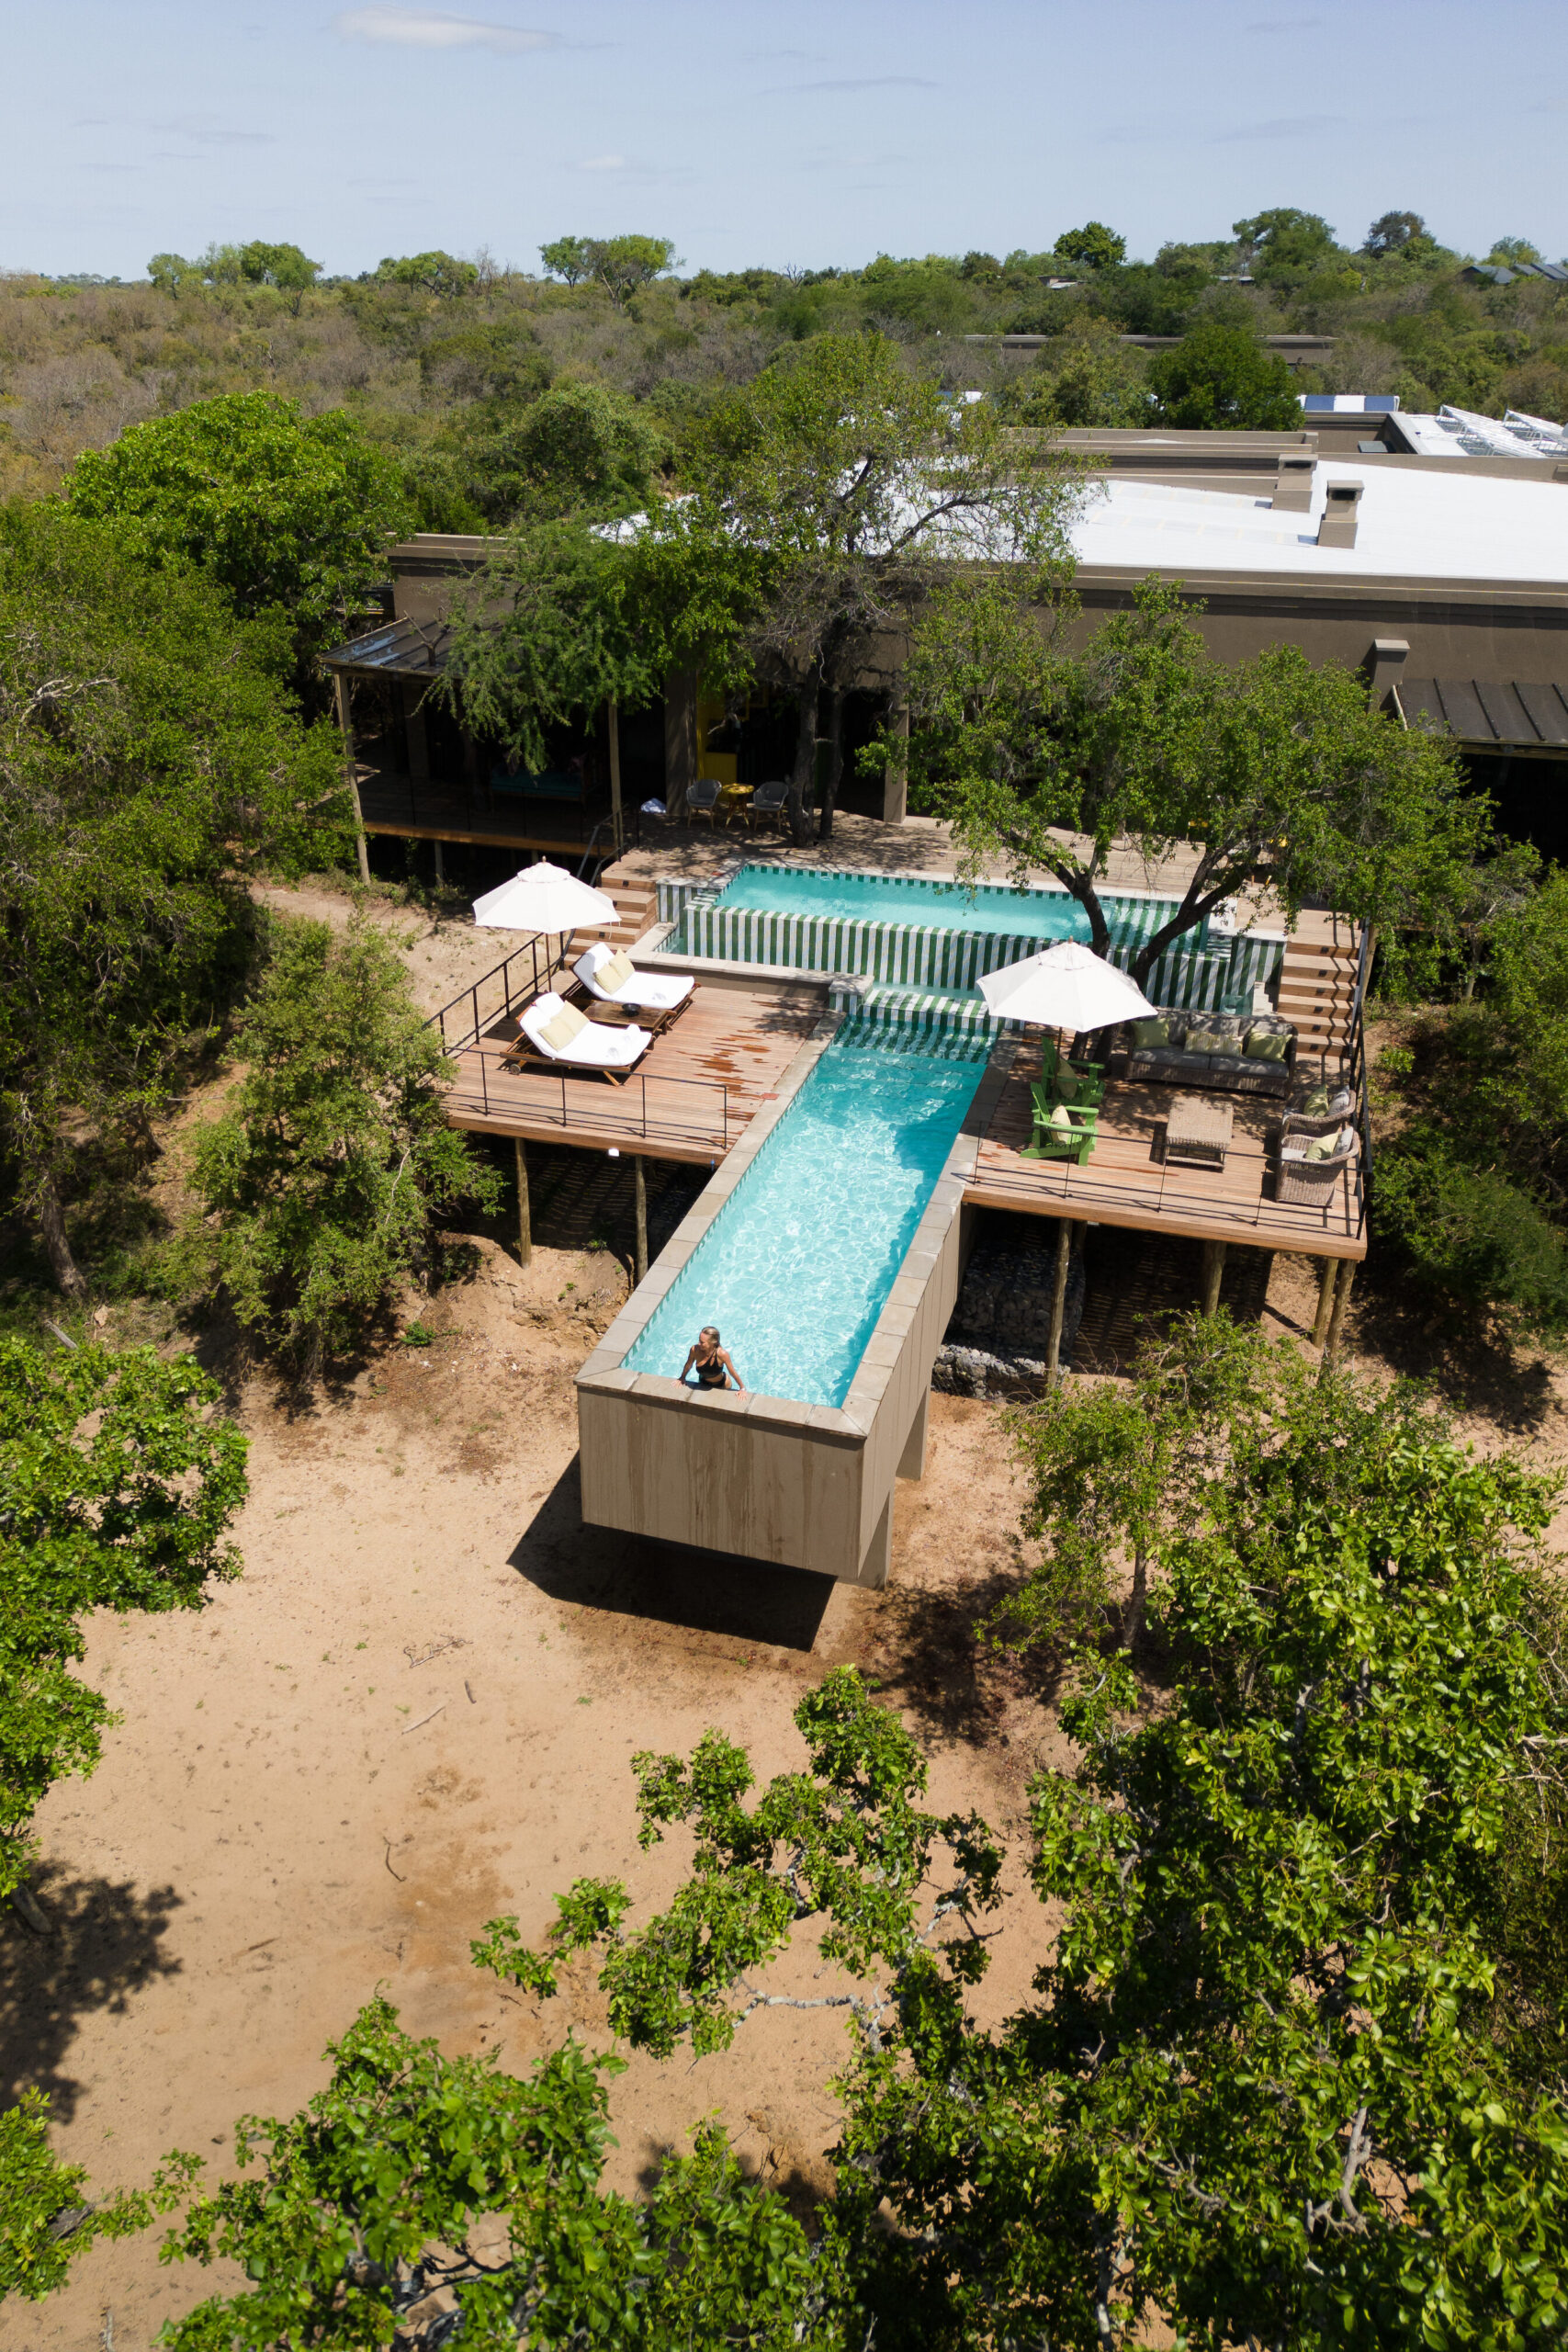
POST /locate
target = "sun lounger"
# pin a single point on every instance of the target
(554, 1035)
(609, 974)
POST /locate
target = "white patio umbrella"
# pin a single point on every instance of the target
(544, 898)
(1066, 987)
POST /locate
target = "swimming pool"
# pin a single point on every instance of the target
(797, 1266)
(892, 898)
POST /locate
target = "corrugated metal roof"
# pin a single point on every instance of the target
(1512, 716)
(401, 649)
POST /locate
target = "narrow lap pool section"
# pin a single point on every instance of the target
(797, 1266)
(876, 898)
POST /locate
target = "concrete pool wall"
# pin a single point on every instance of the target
(768, 1478)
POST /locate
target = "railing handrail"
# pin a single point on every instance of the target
(606, 1111)
(470, 995)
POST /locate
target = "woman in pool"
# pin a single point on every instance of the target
(714, 1368)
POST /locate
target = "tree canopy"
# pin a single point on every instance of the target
(321, 1180)
(1094, 246)
(149, 757)
(622, 266)
(1221, 375)
(1280, 773)
(286, 511)
(435, 272)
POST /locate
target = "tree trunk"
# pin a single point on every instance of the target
(679, 741)
(835, 740)
(69, 1278)
(802, 772)
(1133, 1623)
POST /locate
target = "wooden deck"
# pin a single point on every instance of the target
(693, 1094)
(1126, 1181)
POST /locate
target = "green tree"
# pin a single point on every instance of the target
(172, 274)
(1278, 772)
(283, 509)
(567, 257)
(622, 266)
(1285, 245)
(1395, 233)
(1472, 1182)
(1266, 2087)
(434, 273)
(1220, 376)
(866, 488)
(321, 1183)
(1094, 246)
(1090, 378)
(150, 759)
(1509, 250)
(582, 449)
(116, 1491)
(1115, 1473)
(285, 266)
(413, 2177)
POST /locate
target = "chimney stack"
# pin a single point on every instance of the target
(1293, 485)
(1338, 528)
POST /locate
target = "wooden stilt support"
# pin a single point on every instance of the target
(525, 1214)
(1326, 1281)
(440, 866)
(351, 770)
(641, 1182)
(1337, 1320)
(1058, 1305)
(1214, 1267)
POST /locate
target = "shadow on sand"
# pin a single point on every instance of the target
(105, 1943)
(631, 1576)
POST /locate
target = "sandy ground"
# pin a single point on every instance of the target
(283, 1822)
(445, 954)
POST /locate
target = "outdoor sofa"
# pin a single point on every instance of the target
(1240, 1053)
(609, 974)
(555, 1034)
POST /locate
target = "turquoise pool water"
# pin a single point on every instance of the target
(796, 1266)
(938, 905)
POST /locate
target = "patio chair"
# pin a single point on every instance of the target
(610, 975)
(769, 801)
(553, 1034)
(1308, 1173)
(1060, 1132)
(701, 800)
(1075, 1082)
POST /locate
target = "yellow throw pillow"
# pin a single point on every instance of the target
(561, 1027)
(615, 971)
(1061, 1116)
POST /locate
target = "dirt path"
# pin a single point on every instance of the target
(283, 1821)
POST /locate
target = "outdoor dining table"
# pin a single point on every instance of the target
(732, 800)
(1197, 1131)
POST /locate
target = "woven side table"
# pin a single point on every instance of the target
(1197, 1131)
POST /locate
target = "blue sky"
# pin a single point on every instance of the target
(821, 133)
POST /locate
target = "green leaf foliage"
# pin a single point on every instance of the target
(1280, 770)
(321, 1181)
(44, 2223)
(1221, 375)
(150, 757)
(1288, 2071)
(417, 2189)
(284, 510)
(117, 1485)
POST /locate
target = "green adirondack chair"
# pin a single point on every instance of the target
(1052, 1139)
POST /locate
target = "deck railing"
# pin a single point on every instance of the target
(624, 1110)
(492, 997)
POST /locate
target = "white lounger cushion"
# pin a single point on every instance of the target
(593, 1048)
(646, 992)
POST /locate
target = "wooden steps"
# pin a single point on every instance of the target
(1317, 993)
(637, 909)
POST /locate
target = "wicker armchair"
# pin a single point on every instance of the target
(1309, 1182)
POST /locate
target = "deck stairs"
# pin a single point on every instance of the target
(1317, 993)
(636, 911)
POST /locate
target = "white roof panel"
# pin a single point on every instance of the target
(1415, 525)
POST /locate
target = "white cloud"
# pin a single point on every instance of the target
(602, 163)
(432, 29)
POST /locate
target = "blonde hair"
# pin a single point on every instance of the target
(709, 1332)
